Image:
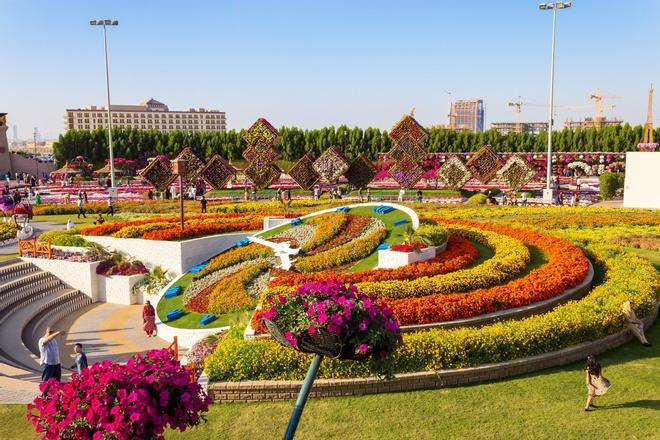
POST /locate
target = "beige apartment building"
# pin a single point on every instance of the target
(149, 115)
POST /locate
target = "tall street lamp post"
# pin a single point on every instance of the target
(179, 168)
(547, 192)
(105, 23)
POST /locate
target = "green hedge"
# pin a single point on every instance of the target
(629, 278)
(609, 184)
(59, 237)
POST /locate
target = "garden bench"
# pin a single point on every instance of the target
(207, 319)
(242, 243)
(402, 221)
(296, 221)
(174, 314)
(173, 291)
(383, 209)
(343, 209)
(383, 247)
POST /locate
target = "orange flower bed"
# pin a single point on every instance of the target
(111, 228)
(566, 268)
(460, 252)
(201, 230)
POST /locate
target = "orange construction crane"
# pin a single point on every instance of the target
(598, 100)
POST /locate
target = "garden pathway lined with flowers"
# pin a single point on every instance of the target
(107, 332)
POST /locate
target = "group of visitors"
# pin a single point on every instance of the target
(49, 353)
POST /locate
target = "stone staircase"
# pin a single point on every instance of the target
(30, 301)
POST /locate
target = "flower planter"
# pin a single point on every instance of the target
(322, 343)
(117, 289)
(272, 222)
(388, 259)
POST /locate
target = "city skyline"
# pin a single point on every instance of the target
(328, 64)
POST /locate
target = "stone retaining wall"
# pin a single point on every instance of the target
(252, 391)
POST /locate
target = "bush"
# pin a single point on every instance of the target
(609, 184)
(7, 231)
(59, 237)
(435, 234)
(477, 199)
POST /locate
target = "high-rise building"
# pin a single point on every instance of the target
(149, 115)
(467, 114)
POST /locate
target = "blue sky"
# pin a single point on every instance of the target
(311, 63)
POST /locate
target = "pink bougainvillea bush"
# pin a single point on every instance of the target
(139, 399)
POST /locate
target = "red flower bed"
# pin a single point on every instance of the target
(200, 302)
(460, 252)
(408, 247)
(566, 268)
(108, 268)
(203, 230)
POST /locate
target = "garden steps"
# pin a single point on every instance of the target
(14, 269)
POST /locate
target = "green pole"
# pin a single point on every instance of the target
(302, 397)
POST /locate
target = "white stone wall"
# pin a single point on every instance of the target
(117, 289)
(81, 276)
(177, 257)
(642, 184)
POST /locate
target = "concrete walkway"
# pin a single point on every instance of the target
(38, 227)
(107, 331)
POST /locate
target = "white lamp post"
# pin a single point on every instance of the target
(547, 192)
(105, 23)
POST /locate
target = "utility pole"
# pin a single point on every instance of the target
(36, 159)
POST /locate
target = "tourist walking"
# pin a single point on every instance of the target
(419, 196)
(81, 208)
(523, 197)
(402, 192)
(37, 198)
(359, 192)
(597, 385)
(203, 202)
(368, 194)
(111, 207)
(49, 353)
(149, 320)
(80, 362)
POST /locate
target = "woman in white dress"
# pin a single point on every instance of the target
(597, 385)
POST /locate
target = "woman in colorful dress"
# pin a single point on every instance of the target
(149, 320)
(597, 385)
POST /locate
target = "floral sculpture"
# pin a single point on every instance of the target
(484, 164)
(454, 173)
(303, 172)
(331, 318)
(261, 154)
(194, 165)
(361, 172)
(217, 172)
(517, 172)
(139, 399)
(331, 164)
(408, 151)
(159, 173)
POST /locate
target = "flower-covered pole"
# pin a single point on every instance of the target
(302, 397)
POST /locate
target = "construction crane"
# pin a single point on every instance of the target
(598, 101)
(648, 127)
(517, 107)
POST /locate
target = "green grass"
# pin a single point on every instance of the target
(395, 235)
(190, 320)
(8, 257)
(63, 218)
(542, 405)
(651, 255)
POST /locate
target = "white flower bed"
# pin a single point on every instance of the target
(301, 233)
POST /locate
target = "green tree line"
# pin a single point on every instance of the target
(139, 144)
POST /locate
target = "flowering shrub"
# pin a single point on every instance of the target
(362, 326)
(200, 350)
(346, 253)
(231, 293)
(327, 227)
(109, 268)
(202, 230)
(7, 231)
(414, 246)
(235, 256)
(139, 399)
(61, 237)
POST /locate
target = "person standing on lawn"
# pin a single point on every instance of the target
(81, 208)
(597, 385)
(111, 208)
(203, 202)
(49, 353)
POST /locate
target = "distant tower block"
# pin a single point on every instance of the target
(5, 159)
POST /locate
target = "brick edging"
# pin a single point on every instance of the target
(268, 390)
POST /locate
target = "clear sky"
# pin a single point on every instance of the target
(314, 63)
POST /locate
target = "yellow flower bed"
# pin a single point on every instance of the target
(327, 228)
(230, 294)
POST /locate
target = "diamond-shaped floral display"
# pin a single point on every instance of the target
(194, 165)
(408, 126)
(265, 153)
(361, 172)
(406, 172)
(262, 175)
(303, 172)
(217, 172)
(409, 146)
(159, 173)
(332, 164)
(484, 164)
(454, 173)
(516, 172)
(261, 133)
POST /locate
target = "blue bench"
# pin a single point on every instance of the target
(173, 291)
(343, 209)
(383, 247)
(207, 319)
(242, 243)
(174, 314)
(382, 209)
(296, 221)
(200, 267)
(402, 221)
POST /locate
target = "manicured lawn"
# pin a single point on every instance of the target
(63, 218)
(191, 319)
(540, 405)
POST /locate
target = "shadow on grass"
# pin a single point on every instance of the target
(644, 403)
